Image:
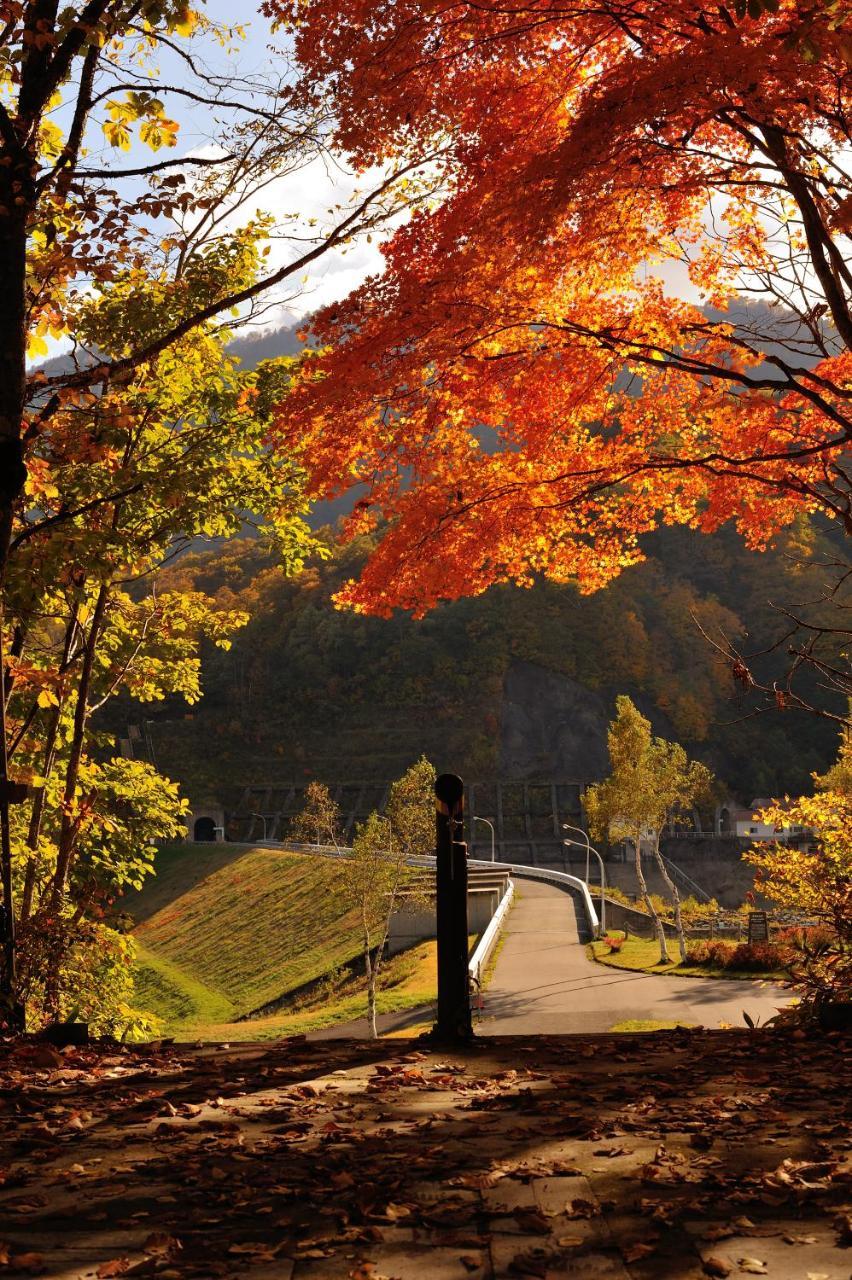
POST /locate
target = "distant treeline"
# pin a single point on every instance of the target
(308, 690)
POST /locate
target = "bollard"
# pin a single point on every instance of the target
(454, 1022)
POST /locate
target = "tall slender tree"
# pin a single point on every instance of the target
(82, 85)
(651, 779)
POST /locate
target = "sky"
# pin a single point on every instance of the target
(310, 192)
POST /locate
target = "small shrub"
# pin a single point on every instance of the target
(797, 936)
(711, 953)
(614, 944)
(757, 957)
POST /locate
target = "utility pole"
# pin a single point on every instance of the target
(454, 1024)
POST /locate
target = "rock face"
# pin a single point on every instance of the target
(552, 727)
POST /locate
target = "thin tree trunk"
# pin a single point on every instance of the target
(16, 185)
(37, 813)
(70, 825)
(646, 898)
(673, 890)
(371, 986)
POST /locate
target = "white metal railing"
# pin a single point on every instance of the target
(483, 949)
(516, 869)
(520, 870)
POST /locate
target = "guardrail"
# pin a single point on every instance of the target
(483, 949)
(518, 870)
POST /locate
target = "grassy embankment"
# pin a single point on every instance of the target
(226, 929)
(642, 955)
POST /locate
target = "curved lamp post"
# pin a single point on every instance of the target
(593, 850)
(263, 820)
(566, 826)
(489, 824)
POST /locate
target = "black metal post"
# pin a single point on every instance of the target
(454, 1022)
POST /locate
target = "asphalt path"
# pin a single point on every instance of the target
(544, 983)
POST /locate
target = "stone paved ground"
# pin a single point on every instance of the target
(601, 1158)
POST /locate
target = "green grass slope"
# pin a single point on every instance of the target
(222, 931)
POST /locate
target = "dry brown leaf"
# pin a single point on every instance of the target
(363, 1271)
(161, 1243)
(116, 1267)
(534, 1262)
(580, 1208)
(716, 1266)
(396, 1211)
(32, 1262)
(633, 1252)
(532, 1220)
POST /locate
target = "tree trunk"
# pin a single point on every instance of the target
(69, 828)
(15, 189)
(649, 906)
(673, 890)
(370, 971)
(37, 813)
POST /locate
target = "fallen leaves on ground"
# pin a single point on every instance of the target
(329, 1154)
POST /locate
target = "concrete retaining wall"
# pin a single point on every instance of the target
(637, 923)
(412, 924)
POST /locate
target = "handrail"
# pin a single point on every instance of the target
(516, 869)
(688, 881)
(520, 869)
(486, 943)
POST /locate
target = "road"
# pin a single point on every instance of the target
(544, 983)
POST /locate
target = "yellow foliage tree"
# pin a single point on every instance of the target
(816, 881)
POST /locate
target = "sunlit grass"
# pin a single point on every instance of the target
(225, 930)
(648, 1024)
(642, 955)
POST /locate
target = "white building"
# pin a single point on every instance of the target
(747, 824)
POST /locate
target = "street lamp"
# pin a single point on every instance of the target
(592, 849)
(262, 817)
(566, 826)
(489, 824)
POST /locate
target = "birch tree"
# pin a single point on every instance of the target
(373, 877)
(650, 780)
(411, 809)
(319, 821)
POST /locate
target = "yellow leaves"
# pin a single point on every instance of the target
(117, 134)
(51, 140)
(159, 133)
(156, 130)
(185, 21)
(36, 345)
(47, 698)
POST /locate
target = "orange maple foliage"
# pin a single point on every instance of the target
(630, 306)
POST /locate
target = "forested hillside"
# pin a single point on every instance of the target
(308, 690)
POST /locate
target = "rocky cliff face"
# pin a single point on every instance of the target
(551, 726)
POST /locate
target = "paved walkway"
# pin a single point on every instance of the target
(675, 1156)
(545, 984)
